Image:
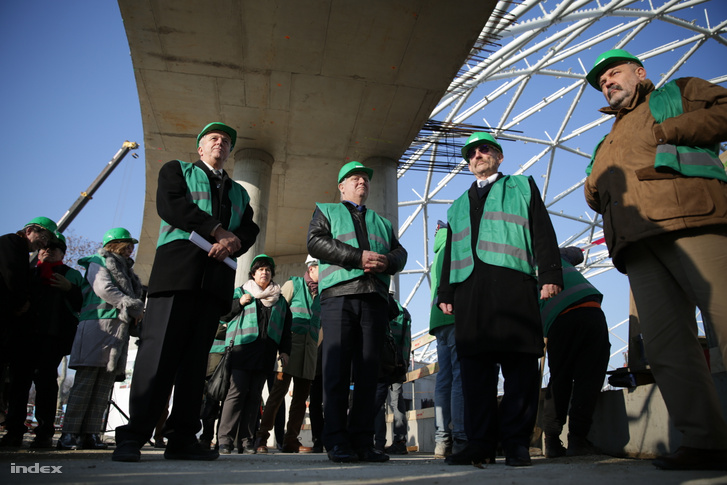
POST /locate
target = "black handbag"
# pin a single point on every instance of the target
(219, 382)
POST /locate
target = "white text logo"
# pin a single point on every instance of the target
(34, 469)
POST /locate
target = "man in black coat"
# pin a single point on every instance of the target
(15, 293)
(500, 236)
(358, 252)
(189, 289)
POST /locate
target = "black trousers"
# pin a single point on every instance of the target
(353, 329)
(578, 354)
(39, 365)
(315, 410)
(176, 338)
(280, 415)
(512, 422)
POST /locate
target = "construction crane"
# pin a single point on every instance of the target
(81, 202)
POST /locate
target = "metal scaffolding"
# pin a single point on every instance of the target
(525, 83)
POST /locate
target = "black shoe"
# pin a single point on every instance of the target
(580, 446)
(128, 450)
(398, 448)
(317, 448)
(40, 443)
(192, 451)
(11, 439)
(471, 455)
(686, 458)
(554, 447)
(518, 455)
(161, 444)
(204, 442)
(372, 455)
(93, 442)
(342, 454)
(68, 441)
(248, 447)
(225, 449)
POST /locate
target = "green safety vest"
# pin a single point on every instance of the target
(199, 191)
(243, 329)
(342, 228)
(504, 237)
(305, 308)
(77, 279)
(218, 346)
(436, 317)
(398, 328)
(94, 308)
(575, 288)
(664, 103)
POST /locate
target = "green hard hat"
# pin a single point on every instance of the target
(44, 222)
(262, 257)
(59, 242)
(118, 234)
(218, 126)
(479, 138)
(352, 167)
(605, 60)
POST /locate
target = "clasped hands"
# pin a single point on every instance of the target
(226, 245)
(373, 262)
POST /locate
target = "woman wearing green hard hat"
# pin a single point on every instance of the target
(111, 306)
(259, 326)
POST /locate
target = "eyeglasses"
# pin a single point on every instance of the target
(42, 233)
(483, 149)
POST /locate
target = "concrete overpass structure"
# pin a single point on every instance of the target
(308, 85)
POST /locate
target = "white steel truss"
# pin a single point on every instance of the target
(525, 83)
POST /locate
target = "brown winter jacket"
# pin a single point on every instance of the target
(635, 199)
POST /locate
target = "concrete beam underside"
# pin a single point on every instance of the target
(313, 84)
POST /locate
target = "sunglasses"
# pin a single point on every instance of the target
(483, 149)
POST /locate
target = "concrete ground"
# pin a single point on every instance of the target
(96, 467)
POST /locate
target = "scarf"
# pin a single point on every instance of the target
(121, 270)
(312, 285)
(129, 284)
(269, 296)
(46, 270)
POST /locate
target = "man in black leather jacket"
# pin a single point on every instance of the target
(358, 252)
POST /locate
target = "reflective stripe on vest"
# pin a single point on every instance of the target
(664, 103)
(575, 288)
(243, 329)
(379, 235)
(95, 308)
(218, 346)
(505, 239)
(306, 309)
(199, 191)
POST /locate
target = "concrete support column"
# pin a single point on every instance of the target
(253, 170)
(384, 195)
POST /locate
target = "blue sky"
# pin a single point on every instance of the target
(69, 102)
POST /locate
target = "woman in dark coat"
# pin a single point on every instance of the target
(259, 324)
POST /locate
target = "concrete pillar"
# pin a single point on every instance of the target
(253, 170)
(384, 195)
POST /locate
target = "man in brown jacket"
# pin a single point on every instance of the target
(661, 189)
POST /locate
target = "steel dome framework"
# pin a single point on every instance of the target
(525, 83)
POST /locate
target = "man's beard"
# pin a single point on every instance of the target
(617, 96)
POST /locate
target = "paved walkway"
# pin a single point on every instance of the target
(96, 467)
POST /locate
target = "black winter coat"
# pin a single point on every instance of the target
(182, 266)
(496, 309)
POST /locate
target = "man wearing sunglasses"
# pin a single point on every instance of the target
(500, 235)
